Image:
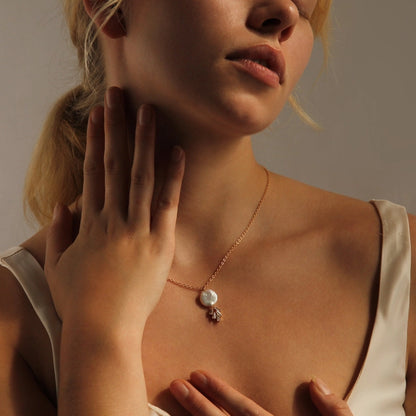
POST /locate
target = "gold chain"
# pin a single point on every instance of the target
(231, 249)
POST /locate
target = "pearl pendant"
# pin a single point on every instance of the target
(209, 298)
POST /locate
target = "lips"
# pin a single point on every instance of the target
(264, 55)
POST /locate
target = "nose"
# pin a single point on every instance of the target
(274, 17)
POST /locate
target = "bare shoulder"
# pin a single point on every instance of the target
(11, 307)
(26, 380)
(14, 304)
(354, 233)
(20, 393)
(348, 228)
(410, 403)
(36, 245)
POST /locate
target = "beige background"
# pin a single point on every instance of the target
(365, 103)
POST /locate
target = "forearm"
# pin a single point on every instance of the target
(101, 374)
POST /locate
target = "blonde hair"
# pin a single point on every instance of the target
(55, 173)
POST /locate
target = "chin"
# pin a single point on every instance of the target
(249, 116)
(248, 124)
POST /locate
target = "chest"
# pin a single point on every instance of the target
(277, 333)
(271, 342)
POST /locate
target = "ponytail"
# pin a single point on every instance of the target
(55, 173)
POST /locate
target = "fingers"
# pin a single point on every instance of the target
(142, 173)
(116, 160)
(207, 395)
(326, 402)
(192, 400)
(167, 207)
(211, 395)
(111, 186)
(93, 187)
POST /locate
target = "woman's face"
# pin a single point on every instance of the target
(175, 57)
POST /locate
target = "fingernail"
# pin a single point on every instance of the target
(177, 154)
(113, 97)
(179, 390)
(321, 386)
(199, 379)
(145, 115)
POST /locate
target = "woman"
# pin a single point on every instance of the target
(303, 285)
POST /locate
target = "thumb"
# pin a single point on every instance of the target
(59, 236)
(326, 402)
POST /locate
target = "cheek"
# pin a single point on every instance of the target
(165, 61)
(175, 61)
(149, 52)
(298, 52)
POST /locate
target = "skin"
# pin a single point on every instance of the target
(220, 112)
(314, 252)
(203, 390)
(113, 218)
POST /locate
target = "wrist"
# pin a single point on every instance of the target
(101, 371)
(87, 329)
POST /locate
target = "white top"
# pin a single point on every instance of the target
(381, 386)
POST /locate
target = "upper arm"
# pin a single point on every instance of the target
(20, 393)
(410, 403)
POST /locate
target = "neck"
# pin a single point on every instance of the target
(221, 188)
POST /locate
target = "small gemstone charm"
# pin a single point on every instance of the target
(208, 298)
(215, 314)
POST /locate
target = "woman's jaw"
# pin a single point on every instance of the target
(176, 57)
(213, 117)
(182, 57)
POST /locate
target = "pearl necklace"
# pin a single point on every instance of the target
(207, 297)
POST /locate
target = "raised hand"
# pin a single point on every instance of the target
(207, 395)
(115, 270)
